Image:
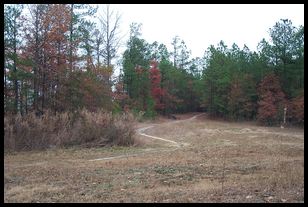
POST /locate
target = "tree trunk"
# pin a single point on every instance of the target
(15, 69)
(21, 97)
(71, 39)
(36, 63)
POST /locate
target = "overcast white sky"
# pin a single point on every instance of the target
(201, 25)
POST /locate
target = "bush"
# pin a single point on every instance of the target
(103, 128)
(66, 129)
(296, 110)
(139, 115)
(150, 112)
(32, 132)
(271, 101)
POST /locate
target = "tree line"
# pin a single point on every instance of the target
(58, 58)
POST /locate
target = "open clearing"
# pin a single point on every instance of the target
(203, 161)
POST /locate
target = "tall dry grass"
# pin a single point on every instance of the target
(85, 128)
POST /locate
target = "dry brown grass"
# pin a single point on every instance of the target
(86, 128)
(261, 165)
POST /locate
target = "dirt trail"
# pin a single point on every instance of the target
(224, 162)
(141, 131)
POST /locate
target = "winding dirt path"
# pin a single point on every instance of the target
(141, 131)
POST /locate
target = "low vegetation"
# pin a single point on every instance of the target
(254, 164)
(32, 132)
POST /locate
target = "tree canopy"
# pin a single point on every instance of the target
(57, 58)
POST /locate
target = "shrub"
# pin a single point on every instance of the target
(32, 132)
(296, 110)
(85, 128)
(271, 101)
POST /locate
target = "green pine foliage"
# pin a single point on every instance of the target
(54, 59)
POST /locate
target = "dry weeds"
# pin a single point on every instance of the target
(86, 128)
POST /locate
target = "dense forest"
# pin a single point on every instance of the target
(57, 58)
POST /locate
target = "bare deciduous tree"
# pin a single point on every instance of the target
(110, 22)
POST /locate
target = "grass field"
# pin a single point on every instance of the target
(217, 161)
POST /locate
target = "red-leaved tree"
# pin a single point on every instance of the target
(156, 91)
(296, 109)
(271, 100)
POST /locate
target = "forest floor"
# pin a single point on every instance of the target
(200, 160)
